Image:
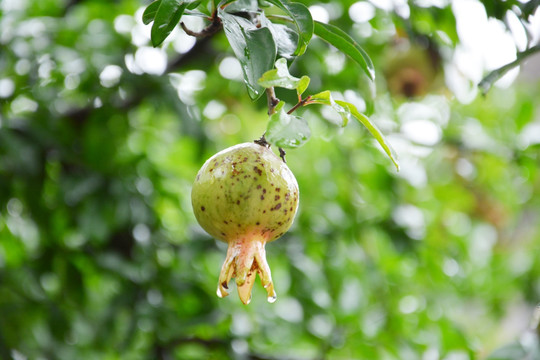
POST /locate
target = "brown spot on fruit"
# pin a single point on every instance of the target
(277, 207)
(203, 208)
(237, 202)
(258, 187)
(276, 197)
(278, 189)
(262, 197)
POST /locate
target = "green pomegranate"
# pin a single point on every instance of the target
(246, 196)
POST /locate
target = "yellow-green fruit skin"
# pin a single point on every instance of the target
(245, 191)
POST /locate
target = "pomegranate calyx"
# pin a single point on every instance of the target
(245, 259)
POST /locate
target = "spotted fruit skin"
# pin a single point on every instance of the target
(246, 196)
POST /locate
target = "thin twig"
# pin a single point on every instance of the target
(300, 103)
(496, 74)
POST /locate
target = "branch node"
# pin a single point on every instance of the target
(273, 101)
(211, 29)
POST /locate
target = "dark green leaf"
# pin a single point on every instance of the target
(280, 77)
(167, 17)
(285, 38)
(241, 6)
(287, 131)
(346, 44)
(193, 5)
(150, 12)
(253, 47)
(302, 19)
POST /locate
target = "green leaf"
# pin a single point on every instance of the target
(150, 12)
(285, 38)
(287, 131)
(280, 77)
(194, 4)
(325, 98)
(346, 44)
(253, 47)
(167, 17)
(373, 129)
(303, 21)
(240, 6)
(303, 84)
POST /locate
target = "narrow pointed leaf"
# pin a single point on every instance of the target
(254, 48)
(325, 98)
(373, 129)
(194, 4)
(346, 44)
(167, 17)
(150, 12)
(302, 20)
(287, 131)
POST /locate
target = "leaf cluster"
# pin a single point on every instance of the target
(257, 39)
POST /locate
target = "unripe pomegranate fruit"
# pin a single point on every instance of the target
(246, 196)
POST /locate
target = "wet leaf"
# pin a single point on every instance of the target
(302, 20)
(280, 77)
(287, 131)
(346, 44)
(253, 47)
(150, 12)
(167, 16)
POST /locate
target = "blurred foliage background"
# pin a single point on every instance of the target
(101, 136)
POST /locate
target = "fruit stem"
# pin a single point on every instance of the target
(262, 141)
